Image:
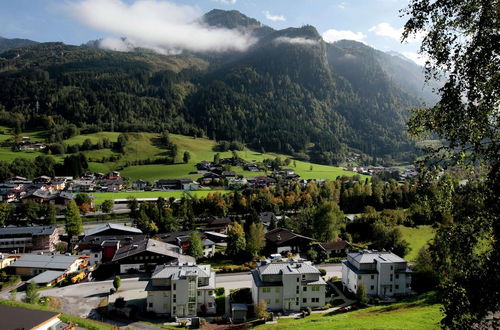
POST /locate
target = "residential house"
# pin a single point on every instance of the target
(181, 290)
(266, 218)
(261, 182)
(29, 265)
(49, 277)
(176, 184)
(281, 240)
(102, 248)
(139, 185)
(252, 167)
(204, 166)
(145, 255)
(22, 318)
(113, 229)
(24, 239)
(382, 273)
(338, 248)
(288, 285)
(218, 224)
(181, 239)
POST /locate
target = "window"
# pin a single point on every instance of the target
(199, 293)
(392, 268)
(304, 300)
(96, 255)
(174, 310)
(150, 305)
(304, 288)
(372, 277)
(210, 305)
(303, 277)
(297, 290)
(390, 288)
(266, 290)
(397, 287)
(407, 285)
(397, 276)
(175, 286)
(297, 279)
(315, 300)
(372, 287)
(390, 278)
(210, 292)
(174, 298)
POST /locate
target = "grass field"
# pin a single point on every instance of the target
(417, 237)
(422, 312)
(100, 197)
(144, 146)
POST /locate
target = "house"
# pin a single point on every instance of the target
(113, 229)
(266, 218)
(282, 240)
(7, 259)
(252, 167)
(181, 290)
(211, 178)
(338, 248)
(139, 184)
(29, 265)
(83, 185)
(382, 273)
(229, 175)
(204, 166)
(288, 285)
(176, 184)
(218, 224)
(261, 182)
(62, 199)
(146, 254)
(22, 239)
(42, 179)
(48, 278)
(22, 318)
(102, 248)
(181, 239)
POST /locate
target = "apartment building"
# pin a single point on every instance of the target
(288, 285)
(382, 273)
(25, 239)
(181, 290)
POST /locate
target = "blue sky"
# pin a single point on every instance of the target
(374, 22)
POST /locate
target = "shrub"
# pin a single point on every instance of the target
(322, 271)
(308, 310)
(219, 291)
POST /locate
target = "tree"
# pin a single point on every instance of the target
(255, 239)
(32, 296)
(6, 212)
(107, 206)
(236, 242)
(186, 157)
(51, 215)
(195, 246)
(117, 282)
(261, 310)
(461, 39)
(361, 295)
(327, 221)
(73, 221)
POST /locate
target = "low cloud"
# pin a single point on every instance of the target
(226, 2)
(295, 41)
(274, 18)
(385, 29)
(159, 25)
(417, 58)
(333, 35)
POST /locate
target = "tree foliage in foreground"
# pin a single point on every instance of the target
(462, 39)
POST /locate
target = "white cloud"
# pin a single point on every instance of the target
(226, 2)
(295, 41)
(417, 58)
(274, 18)
(159, 25)
(333, 35)
(342, 5)
(384, 29)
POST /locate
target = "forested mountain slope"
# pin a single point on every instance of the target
(290, 92)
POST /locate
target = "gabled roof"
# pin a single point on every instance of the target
(280, 236)
(28, 231)
(336, 245)
(219, 221)
(46, 277)
(100, 229)
(152, 246)
(45, 261)
(367, 256)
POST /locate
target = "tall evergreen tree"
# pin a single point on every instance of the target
(195, 245)
(73, 222)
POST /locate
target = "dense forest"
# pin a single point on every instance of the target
(290, 93)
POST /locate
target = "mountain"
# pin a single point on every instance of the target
(291, 92)
(7, 44)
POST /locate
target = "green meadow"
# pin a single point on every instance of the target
(100, 197)
(417, 237)
(420, 312)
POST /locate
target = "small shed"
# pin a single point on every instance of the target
(239, 313)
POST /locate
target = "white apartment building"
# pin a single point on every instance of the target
(288, 285)
(181, 290)
(383, 274)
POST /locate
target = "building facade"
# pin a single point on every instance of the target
(181, 290)
(25, 239)
(288, 285)
(383, 274)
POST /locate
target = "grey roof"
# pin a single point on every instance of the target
(114, 226)
(259, 282)
(46, 277)
(44, 261)
(29, 231)
(364, 257)
(181, 270)
(153, 246)
(22, 318)
(275, 268)
(359, 271)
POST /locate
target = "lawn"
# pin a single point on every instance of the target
(417, 237)
(94, 137)
(421, 312)
(100, 197)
